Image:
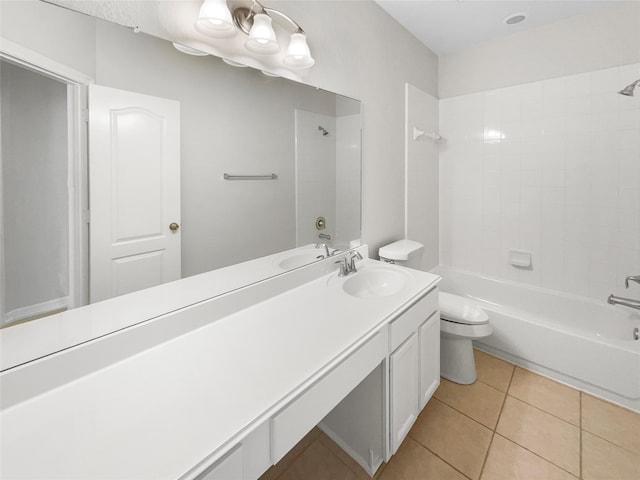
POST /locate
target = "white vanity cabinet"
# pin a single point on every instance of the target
(429, 352)
(246, 461)
(403, 390)
(228, 467)
(294, 421)
(414, 365)
(362, 367)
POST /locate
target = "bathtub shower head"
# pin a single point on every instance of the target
(628, 90)
(322, 129)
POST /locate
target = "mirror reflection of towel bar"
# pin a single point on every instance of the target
(271, 176)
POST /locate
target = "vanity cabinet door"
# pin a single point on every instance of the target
(429, 342)
(403, 365)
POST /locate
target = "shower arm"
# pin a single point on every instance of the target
(632, 278)
(628, 90)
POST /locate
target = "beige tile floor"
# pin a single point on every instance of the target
(510, 424)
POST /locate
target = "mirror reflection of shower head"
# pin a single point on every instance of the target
(628, 90)
(322, 129)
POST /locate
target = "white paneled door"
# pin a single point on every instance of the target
(134, 191)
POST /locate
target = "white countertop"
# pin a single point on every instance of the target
(25, 342)
(159, 412)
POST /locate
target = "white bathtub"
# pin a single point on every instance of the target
(583, 343)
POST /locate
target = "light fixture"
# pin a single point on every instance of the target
(215, 19)
(298, 54)
(189, 50)
(262, 38)
(233, 63)
(257, 23)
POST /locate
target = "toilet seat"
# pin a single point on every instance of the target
(454, 308)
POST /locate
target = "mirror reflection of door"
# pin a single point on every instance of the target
(43, 264)
(134, 191)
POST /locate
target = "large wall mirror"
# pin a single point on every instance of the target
(235, 121)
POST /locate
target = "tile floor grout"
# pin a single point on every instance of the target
(495, 428)
(580, 422)
(494, 432)
(539, 456)
(434, 453)
(543, 411)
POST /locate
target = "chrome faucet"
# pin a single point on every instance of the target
(632, 278)
(326, 249)
(352, 262)
(625, 302)
(348, 263)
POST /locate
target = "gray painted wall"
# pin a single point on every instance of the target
(352, 58)
(598, 39)
(34, 188)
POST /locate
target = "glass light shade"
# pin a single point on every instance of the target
(262, 38)
(215, 19)
(189, 50)
(298, 54)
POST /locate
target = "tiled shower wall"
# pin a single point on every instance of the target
(552, 168)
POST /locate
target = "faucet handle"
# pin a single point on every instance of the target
(631, 278)
(344, 267)
(352, 261)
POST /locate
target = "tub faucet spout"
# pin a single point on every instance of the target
(632, 278)
(625, 302)
(326, 249)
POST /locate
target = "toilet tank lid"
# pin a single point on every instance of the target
(400, 250)
(461, 310)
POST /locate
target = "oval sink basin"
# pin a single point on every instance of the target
(298, 260)
(375, 282)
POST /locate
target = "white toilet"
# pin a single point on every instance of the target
(403, 252)
(461, 320)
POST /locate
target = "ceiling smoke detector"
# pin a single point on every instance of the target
(514, 18)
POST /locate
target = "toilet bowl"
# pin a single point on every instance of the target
(461, 321)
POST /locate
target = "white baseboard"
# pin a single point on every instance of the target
(36, 310)
(370, 469)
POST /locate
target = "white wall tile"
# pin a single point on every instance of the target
(558, 175)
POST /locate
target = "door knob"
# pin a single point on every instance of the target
(174, 226)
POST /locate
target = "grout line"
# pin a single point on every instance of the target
(493, 433)
(438, 456)
(552, 415)
(609, 441)
(537, 455)
(544, 411)
(466, 415)
(484, 383)
(580, 422)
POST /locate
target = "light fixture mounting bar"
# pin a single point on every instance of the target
(243, 17)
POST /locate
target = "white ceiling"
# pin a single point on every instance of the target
(446, 26)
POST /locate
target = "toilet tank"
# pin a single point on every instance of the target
(407, 253)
